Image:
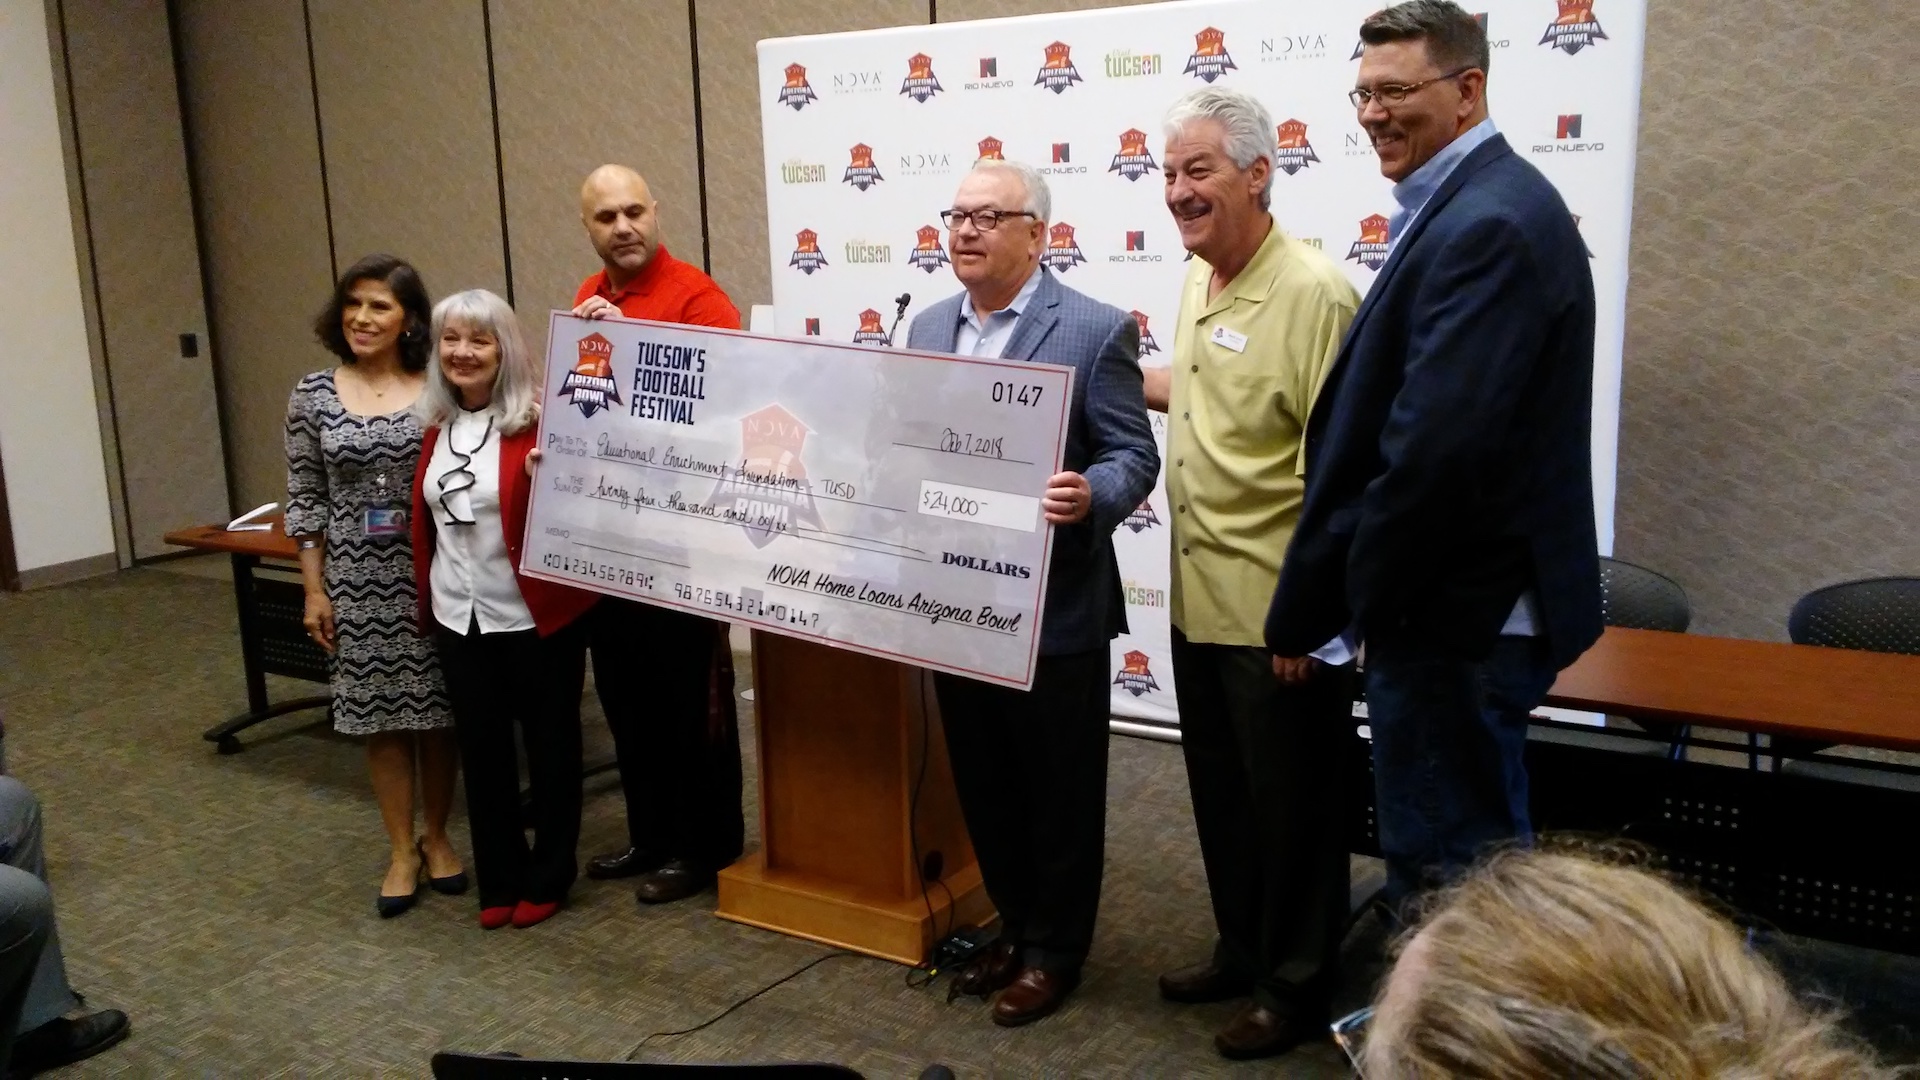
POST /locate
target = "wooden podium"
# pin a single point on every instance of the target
(843, 740)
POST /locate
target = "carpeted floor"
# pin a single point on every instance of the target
(226, 902)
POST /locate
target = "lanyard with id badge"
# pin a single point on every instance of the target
(385, 516)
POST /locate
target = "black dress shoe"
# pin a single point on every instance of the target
(994, 969)
(63, 1041)
(1204, 982)
(676, 880)
(1258, 1032)
(628, 862)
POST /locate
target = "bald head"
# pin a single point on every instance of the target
(622, 220)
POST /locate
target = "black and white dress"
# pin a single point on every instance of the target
(340, 465)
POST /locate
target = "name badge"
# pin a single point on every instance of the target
(1230, 339)
(382, 522)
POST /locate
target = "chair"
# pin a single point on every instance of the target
(1871, 615)
(1640, 599)
(1637, 598)
(451, 1065)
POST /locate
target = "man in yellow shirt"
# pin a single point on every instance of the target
(1261, 319)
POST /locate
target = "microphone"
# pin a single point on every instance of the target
(899, 312)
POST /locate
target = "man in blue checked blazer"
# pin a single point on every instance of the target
(1031, 768)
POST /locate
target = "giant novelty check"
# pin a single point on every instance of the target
(870, 499)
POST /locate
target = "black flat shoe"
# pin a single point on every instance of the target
(390, 906)
(451, 885)
(63, 1041)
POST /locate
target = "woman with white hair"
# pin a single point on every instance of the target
(510, 646)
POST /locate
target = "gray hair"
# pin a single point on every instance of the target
(1250, 134)
(1039, 199)
(1454, 38)
(516, 385)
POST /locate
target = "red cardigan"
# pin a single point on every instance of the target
(552, 606)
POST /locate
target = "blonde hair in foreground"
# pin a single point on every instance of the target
(1549, 964)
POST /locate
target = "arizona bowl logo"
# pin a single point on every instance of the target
(1295, 152)
(1575, 29)
(1148, 346)
(861, 172)
(1133, 161)
(590, 386)
(1058, 72)
(1142, 518)
(1063, 253)
(928, 253)
(1371, 249)
(920, 83)
(870, 332)
(807, 256)
(990, 149)
(1136, 675)
(796, 92)
(768, 493)
(1210, 59)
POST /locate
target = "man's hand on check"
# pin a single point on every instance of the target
(533, 458)
(1068, 500)
(596, 307)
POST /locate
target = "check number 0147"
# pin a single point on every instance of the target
(958, 502)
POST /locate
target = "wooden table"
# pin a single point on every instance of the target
(271, 604)
(1799, 691)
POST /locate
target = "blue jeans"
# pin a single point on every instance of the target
(1449, 737)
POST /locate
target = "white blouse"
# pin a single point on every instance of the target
(472, 574)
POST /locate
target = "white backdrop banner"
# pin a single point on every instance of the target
(868, 134)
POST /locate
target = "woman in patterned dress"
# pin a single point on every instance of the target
(352, 447)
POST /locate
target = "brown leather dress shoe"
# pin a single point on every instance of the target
(1257, 1031)
(1037, 993)
(992, 970)
(1203, 982)
(677, 880)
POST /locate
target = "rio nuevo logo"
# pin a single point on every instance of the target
(1371, 249)
(989, 76)
(920, 83)
(1062, 162)
(1210, 59)
(1136, 249)
(807, 256)
(1575, 28)
(1136, 674)
(1058, 72)
(1566, 138)
(796, 91)
(590, 387)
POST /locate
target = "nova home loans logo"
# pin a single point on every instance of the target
(1126, 64)
(990, 149)
(796, 171)
(858, 82)
(1133, 161)
(1356, 144)
(1566, 138)
(925, 164)
(989, 76)
(1058, 72)
(1147, 347)
(807, 256)
(1210, 59)
(1371, 249)
(1293, 151)
(795, 91)
(1287, 48)
(927, 254)
(1062, 254)
(859, 251)
(920, 83)
(861, 172)
(1575, 29)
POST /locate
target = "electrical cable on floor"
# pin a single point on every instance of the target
(724, 1013)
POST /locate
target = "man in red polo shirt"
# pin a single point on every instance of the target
(665, 678)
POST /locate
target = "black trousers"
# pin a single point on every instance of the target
(665, 681)
(1265, 764)
(496, 681)
(1031, 772)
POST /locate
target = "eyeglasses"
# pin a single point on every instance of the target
(1396, 94)
(983, 220)
(1350, 1031)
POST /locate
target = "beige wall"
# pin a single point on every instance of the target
(1770, 411)
(49, 423)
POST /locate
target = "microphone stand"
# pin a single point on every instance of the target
(899, 312)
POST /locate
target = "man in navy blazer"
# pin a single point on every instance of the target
(1449, 517)
(1031, 768)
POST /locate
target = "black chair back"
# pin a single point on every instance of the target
(449, 1065)
(1873, 615)
(1640, 599)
